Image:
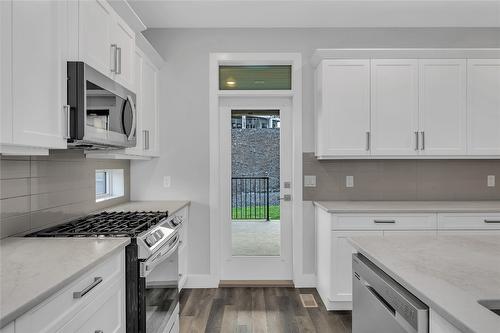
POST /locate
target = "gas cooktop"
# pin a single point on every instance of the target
(106, 224)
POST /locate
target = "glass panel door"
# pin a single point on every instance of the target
(255, 183)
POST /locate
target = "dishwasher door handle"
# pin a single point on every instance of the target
(381, 300)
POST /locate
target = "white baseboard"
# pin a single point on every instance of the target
(305, 281)
(201, 281)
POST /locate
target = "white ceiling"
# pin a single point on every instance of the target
(316, 13)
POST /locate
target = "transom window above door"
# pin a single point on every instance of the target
(255, 77)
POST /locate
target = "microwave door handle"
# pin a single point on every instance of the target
(134, 116)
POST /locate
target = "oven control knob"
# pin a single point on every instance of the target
(177, 220)
(159, 234)
(150, 240)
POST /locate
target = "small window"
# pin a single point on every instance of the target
(255, 77)
(109, 184)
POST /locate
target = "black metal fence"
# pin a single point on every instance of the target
(250, 198)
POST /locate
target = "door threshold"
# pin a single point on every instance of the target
(256, 283)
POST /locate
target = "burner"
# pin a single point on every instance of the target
(106, 224)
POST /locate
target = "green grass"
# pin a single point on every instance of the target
(260, 211)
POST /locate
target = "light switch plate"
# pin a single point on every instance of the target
(349, 181)
(166, 181)
(310, 181)
(491, 181)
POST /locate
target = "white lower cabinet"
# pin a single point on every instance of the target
(104, 314)
(334, 252)
(101, 308)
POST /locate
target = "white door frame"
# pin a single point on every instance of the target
(255, 267)
(295, 94)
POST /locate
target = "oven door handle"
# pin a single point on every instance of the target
(164, 253)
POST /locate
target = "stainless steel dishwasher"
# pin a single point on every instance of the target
(381, 305)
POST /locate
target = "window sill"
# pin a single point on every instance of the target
(108, 198)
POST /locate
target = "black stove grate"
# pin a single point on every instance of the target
(106, 224)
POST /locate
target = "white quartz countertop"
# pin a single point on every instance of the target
(448, 273)
(409, 206)
(167, 205)
(32, 269)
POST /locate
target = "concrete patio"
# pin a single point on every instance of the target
(256, 238)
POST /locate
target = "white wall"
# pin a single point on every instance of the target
(184, 112)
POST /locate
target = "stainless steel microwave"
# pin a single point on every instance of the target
(101, 112)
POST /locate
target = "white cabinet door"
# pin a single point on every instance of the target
(39, 49)
(95, 44)
(6, 71)
(343, 108)
(105, 314)
(149, 104)
(442, 106)
(394, 106)
(342, 251)
(483, 103)
(124, 38)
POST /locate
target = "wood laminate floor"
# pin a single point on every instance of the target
(257, 310)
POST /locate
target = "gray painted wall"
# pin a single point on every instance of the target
(41, 191)
(184, 110)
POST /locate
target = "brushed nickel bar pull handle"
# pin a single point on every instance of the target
(119, 62)
(416, 140)
(423, 140)
(368, 141)
(384, 221)
(113, 57)
(491, 221)
(80, 294)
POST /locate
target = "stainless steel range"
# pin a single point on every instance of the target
(151, 262)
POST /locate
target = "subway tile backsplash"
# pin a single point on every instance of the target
(41, 191)
(401, 179)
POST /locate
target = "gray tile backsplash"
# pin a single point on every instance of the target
(401, 179)
(41, 191)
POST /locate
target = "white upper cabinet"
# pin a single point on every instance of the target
(124, 38)
(409, 108)
(94, 35)
(149, 105)
(38, 83)
(483, 93)
(343, 107)
(442, 107)
(394, 106)
(106, 42)
(6, 72)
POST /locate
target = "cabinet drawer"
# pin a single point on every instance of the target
(52, 314)
(384, 222)
(105, 314)
(472, 221)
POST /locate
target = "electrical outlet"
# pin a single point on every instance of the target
(491, 181)
(310, 181)
(349, 181)
(166, 181)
